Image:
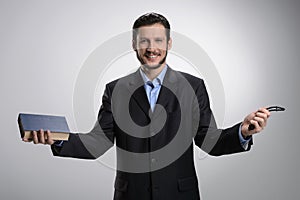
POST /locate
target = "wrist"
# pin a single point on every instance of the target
(246, 136)
(244, 133)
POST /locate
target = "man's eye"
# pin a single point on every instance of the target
(158, 40)
(143, 41)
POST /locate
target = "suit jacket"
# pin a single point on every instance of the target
(165, 176)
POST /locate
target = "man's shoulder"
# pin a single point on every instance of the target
(189, 76)
(193, 80)
(112, 83)
(128, 78)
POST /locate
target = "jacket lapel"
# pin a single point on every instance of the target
(136, 88)
(164, 98)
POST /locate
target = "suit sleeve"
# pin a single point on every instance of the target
(95, 143)
(209, 138)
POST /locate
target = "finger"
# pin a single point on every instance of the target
(262, 115)
(257, 126)
(261, 121)
(49, 137)
(26, 140)
(265, 111)
(41, 136)
(35, 137)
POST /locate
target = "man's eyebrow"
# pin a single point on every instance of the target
(147, 38)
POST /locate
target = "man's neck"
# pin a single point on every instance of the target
(153, 73)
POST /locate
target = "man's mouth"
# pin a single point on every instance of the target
(151, 59)
(152, 56)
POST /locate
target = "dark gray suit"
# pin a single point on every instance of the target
(176, 180)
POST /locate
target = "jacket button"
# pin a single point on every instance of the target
(153, 160)
(152, 134)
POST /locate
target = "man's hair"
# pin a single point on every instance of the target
(150, 19)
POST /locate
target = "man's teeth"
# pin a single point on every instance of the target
(153, 56)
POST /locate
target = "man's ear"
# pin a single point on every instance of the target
(134, 44)
(170, 44)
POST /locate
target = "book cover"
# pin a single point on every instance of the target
(33, 122)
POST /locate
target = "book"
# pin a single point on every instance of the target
(33, 122)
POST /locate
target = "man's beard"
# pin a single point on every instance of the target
(151, 66)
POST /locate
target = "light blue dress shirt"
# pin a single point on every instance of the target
(153, 87)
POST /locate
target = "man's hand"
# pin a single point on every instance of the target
(41, 137)
(258, 119)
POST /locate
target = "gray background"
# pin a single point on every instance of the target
(254, 45)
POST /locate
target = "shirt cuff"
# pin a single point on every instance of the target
(59, 143)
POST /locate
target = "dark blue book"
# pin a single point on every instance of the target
(33, 122)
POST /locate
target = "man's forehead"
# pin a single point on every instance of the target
(147, 31)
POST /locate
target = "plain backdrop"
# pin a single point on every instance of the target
(253, 44)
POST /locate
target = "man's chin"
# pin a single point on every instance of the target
(152, 66)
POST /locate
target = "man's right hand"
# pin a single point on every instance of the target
(41, 137)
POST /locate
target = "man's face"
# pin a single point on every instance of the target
(151, 45)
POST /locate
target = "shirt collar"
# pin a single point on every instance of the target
(158, 80)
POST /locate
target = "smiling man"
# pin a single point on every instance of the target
(151, 43)
(155, 116)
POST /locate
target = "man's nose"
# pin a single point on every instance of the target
(151, 45)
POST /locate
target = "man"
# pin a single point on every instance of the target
(153, 116)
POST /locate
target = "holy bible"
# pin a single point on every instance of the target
(33, 122)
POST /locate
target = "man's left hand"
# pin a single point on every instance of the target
(258, 119)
